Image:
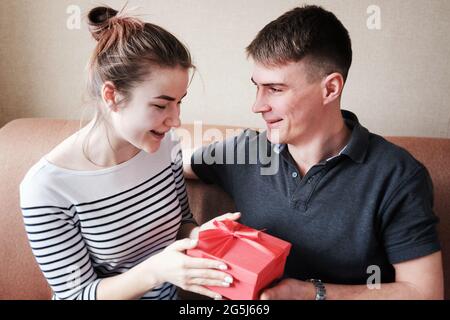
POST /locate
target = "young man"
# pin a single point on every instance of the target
(355, 207)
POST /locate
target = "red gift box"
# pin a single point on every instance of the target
(254, 258)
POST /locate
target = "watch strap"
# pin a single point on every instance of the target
(321, 292)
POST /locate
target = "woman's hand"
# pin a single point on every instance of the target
(191, 274)
(210, 225)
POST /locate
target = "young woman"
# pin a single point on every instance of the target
(104, 208)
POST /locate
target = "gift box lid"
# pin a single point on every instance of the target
(248, 250)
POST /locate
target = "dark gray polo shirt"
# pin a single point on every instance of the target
(369, 207)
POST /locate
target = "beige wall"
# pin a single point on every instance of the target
(398, 85)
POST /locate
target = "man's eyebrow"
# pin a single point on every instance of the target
(168, 98)
(269, 84)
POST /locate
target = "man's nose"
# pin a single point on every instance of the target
(260, 105)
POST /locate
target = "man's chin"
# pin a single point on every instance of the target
(274, 136)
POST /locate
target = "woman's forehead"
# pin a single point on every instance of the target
(166, 82)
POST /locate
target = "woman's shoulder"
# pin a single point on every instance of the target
(40, 172)
(38, 186)
(41, 191)
(69, 155)
(40, 182)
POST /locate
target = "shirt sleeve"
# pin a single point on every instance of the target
(408, 224)
(57, 244)
(216, 163)
(180, 183)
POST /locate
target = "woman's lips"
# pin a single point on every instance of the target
(157, 135)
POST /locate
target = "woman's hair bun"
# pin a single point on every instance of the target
(99, 20)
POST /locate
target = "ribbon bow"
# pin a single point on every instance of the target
(218, 241)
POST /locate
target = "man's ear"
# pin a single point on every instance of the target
(109, 96)
(332, 87)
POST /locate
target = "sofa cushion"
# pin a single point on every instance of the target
(24, 141)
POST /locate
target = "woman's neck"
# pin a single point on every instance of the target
(103, 147)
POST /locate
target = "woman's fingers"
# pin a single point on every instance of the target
(203, 291)
(203, 263)
(230, 216)
(182, 245)
(209, 282)
(208, 274)
(227, 216)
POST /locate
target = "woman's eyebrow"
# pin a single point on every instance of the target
(168, 98)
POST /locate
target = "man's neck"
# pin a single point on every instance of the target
(327, 142)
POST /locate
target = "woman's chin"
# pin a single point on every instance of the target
(151, 148)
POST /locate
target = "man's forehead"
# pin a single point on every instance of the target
(263, 73)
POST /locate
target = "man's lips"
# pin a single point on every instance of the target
(272, 123)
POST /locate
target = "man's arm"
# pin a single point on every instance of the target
(188, 172)
(187, 169)
(420, 278)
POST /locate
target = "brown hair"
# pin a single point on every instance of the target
(127, 49)
(308, 32)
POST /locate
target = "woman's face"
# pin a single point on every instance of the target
(152, 109)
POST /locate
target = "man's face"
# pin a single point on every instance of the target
(290, 105)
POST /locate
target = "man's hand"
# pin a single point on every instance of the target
(420, 278)
(209, 224)
(290, 289)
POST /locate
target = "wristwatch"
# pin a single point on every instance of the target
(321, 292)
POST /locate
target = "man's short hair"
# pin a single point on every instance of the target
(310, 33)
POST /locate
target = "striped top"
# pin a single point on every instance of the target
(87, 225)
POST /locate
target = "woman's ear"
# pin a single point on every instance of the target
(332, 87)
(109, 96)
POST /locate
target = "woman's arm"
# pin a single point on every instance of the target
(129, 285)
(63, 257)
(170, 265)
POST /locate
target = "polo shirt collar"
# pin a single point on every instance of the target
(357, 146)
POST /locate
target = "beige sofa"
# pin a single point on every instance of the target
(24, 141)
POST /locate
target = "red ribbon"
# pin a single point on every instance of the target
(218, 241)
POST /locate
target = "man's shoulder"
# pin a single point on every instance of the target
(390, 157)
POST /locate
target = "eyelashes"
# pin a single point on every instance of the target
(275, 90)
(164, 107)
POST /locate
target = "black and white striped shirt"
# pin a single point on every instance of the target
(87, 225)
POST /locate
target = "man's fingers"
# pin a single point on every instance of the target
(266, 295)
(280, 291)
